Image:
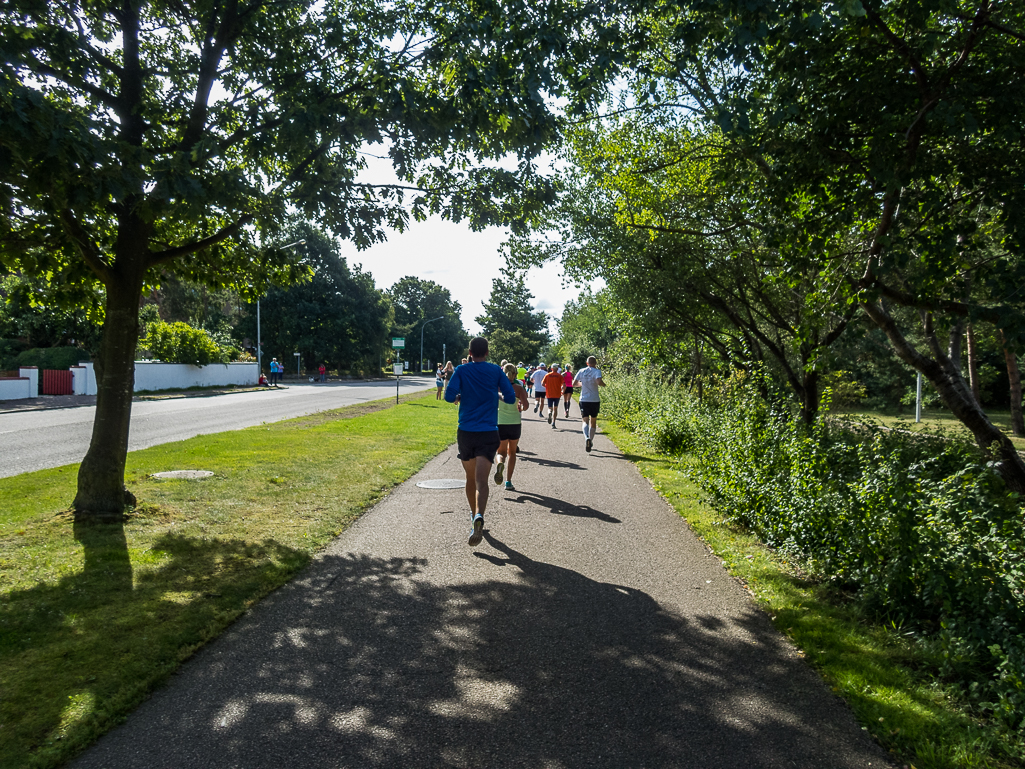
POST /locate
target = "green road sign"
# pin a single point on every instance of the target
(398, 341)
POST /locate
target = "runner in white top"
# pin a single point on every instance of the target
(539, 388)
(589, 380)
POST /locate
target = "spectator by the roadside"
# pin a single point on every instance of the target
(323, 372)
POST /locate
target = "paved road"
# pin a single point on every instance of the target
(33, 440)
(590, 629)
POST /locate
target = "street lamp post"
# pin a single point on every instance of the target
(259, 347)
(422, 340)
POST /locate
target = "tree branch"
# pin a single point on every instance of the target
(84, 245)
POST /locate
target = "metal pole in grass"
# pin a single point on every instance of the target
(422, 340)
(918, 399)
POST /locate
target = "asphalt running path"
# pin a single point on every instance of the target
(35, 440)
(590, 629)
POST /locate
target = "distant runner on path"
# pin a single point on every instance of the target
(509, 428)
(476, 385)
(567, 388)
(539, 389)
(553, 392)
(589, 380)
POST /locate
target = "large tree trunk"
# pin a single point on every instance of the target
(955, 394)
(101, 478)
(1014, 376)
(810, 397)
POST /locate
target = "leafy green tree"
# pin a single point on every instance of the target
(178, 137)
(416, 301)
(512, 346)
(337, 317)
(885, 143)
(31, 315)
(509, 309)
(587, 327)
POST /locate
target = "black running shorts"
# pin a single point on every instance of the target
(510, 432)
(473, 444)
(589, 408)
(567, 390)
(553, 402)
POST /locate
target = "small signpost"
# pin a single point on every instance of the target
(398, 343)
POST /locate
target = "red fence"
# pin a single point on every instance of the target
(57, 383)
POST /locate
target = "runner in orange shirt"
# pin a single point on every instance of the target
(553, 392)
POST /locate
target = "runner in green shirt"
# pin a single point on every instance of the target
(509, 428)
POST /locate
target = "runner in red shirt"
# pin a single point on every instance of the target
(553, 392)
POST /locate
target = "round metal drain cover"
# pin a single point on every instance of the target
(184, 475)
(443, 483)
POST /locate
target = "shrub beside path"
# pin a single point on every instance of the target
(591, 628)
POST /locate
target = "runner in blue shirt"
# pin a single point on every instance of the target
(475, 385)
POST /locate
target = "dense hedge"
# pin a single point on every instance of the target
(52, 358)
(181, 343)
(919, 527)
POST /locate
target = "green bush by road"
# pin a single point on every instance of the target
(93, 618)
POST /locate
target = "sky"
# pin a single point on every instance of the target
(454, 256)
(463, 261)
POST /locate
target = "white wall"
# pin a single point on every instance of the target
(174, 376)
(148, 376)
(33, 376)
(15, 388)
(84, 379)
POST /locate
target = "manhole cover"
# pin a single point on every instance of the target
(185, 475)
(443, 483)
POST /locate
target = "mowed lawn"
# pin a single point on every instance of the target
(93, 617)
(934, 419)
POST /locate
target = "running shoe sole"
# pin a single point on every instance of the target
(477, 533)
(499, 472)
(587, 446)
(549, 417)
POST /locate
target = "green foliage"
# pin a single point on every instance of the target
(918, 526)
(588, 326)
(415, 301)
(509, 308)
(181, 343)
(54, 358)
(338, 316)
(9, 349)
(512, 346)
(30, 310)
(843, 389)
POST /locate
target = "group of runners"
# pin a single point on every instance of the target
(491, 402)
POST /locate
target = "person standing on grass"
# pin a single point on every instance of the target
(553, 392)
(509, 428)
(589, 380)
(476, 386)
(567, 388)
(539, 389)
(439, 382)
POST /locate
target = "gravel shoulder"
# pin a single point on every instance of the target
(591, 628)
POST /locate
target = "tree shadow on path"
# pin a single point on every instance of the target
(369, 662)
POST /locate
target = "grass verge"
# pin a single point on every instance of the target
(888, 679)
(936, 420)
(92, 618)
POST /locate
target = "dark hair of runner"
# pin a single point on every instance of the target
(479, 347)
